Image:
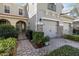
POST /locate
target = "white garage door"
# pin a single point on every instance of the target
(66, 28)
(50, 28)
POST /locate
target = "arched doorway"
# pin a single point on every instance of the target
(21, 26)
(4, 21)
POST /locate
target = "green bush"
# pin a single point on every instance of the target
(68, 37)
(38, 37)
(7, 31)
(72, 37)
(64, 51)
(6, 45)
(46, 39)
(29, 34)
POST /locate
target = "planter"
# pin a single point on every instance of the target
(46, 43)
(39, 45)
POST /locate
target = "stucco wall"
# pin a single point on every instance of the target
(32, 23)
(1, 8)
(59, 8)
(13, 17)
(13, 21)
(14, 8)
(32, 14)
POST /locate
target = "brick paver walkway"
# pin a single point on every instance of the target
(26, 49)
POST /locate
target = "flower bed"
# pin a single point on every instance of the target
(39, 40)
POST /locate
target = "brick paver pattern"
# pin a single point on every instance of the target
(25, 48)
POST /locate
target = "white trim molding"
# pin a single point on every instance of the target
(45, 18)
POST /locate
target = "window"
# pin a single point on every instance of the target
(20, 11)
(52, 6)
(4, 21)
(7, 9)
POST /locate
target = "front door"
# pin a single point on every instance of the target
(21, 26)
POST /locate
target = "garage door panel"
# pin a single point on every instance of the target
(50, 28)
(66, 28)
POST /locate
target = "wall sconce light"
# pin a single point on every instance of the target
(40, 19)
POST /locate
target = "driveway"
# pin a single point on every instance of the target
(58, 42)
(25, 48)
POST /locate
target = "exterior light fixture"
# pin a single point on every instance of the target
(40, 19)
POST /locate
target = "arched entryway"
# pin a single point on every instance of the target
(4, 21)
(21, 26)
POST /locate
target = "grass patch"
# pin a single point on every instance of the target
(72, 37)
(65, 51)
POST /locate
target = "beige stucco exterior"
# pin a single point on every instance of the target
(14, 8)
(13, 17)
(62, 20)
(43, 12)
(34, 15)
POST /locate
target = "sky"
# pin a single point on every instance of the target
(69, 5)
(66, 5)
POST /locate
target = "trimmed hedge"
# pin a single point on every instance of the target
(64, 51)
(72, 37)
(7, 31)
(6, 45)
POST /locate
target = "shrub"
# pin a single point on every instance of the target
(29, 34)
(6, 45)
(68, 37)
(46, 39)
(72, 37)
(38, 37)
(7, 31)
(76, 37)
